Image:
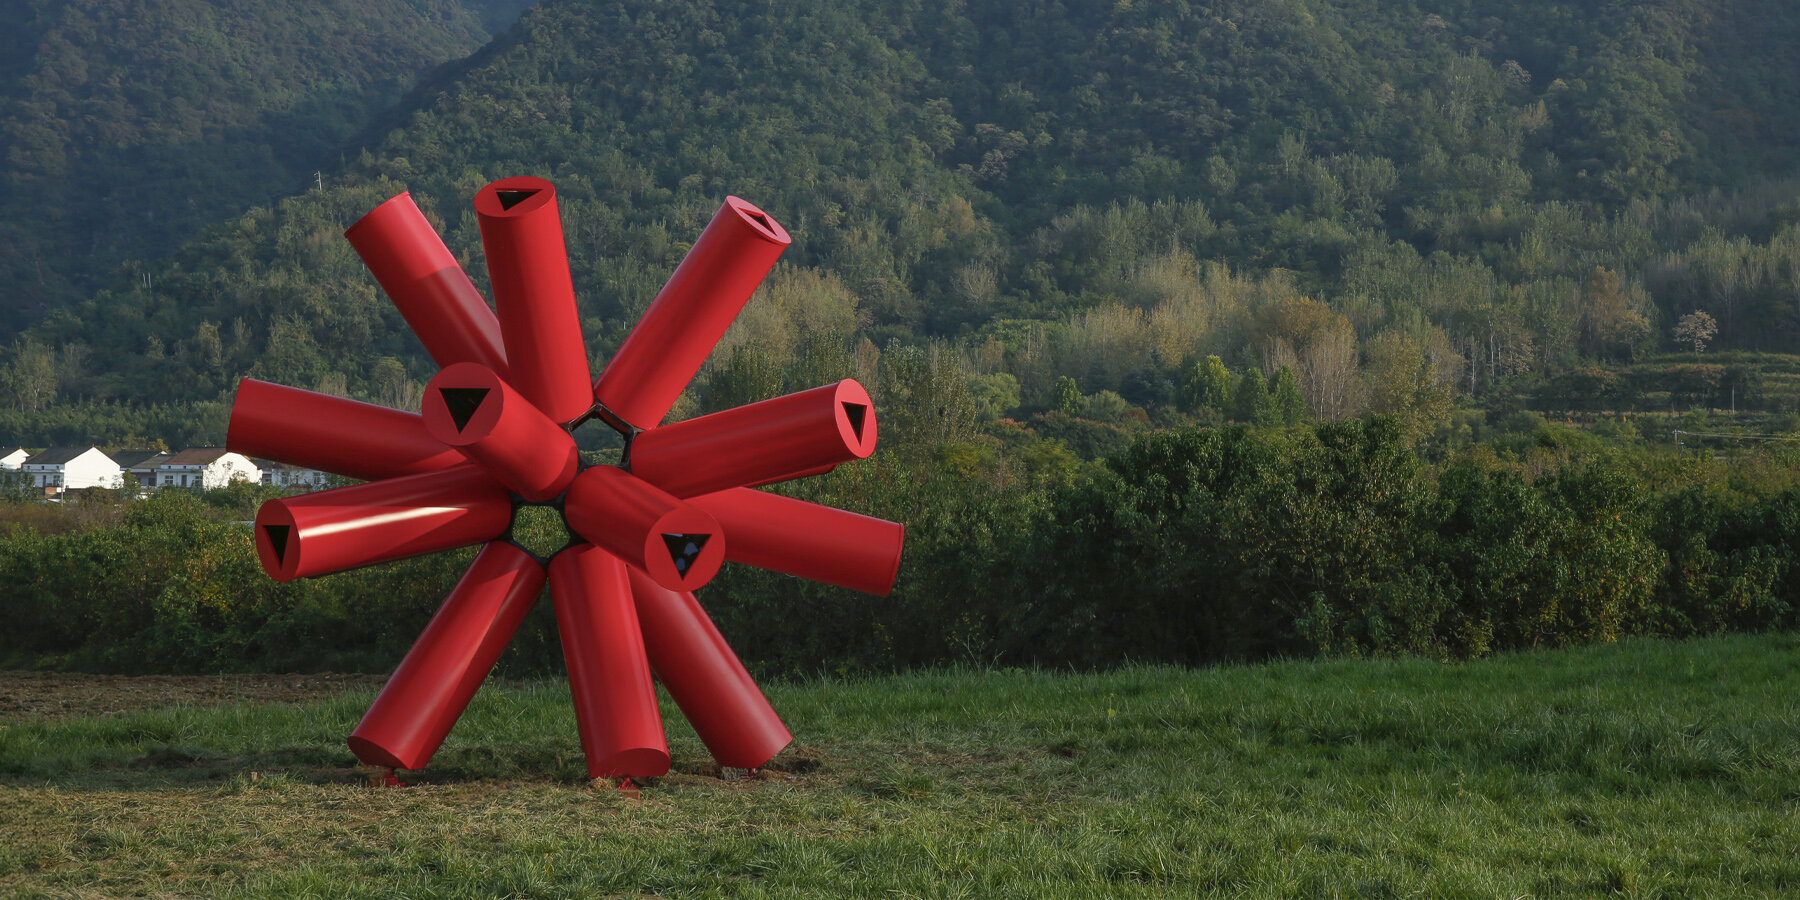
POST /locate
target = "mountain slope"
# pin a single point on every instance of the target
(1493, 179)
(125, 127)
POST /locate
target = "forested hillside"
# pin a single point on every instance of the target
(1394, 204)
(125, 128)
(1384, 239)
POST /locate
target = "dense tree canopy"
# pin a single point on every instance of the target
(127, 127)
(1397, 204)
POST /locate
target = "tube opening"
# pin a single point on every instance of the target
(278, 541)
(684, 549)
(462, 404)
(856, 413)
(511, 198)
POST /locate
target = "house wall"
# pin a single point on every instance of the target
(299, 479)
(92, 469)
(43, 477)
(228, 468)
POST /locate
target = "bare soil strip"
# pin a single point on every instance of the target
(62, 695)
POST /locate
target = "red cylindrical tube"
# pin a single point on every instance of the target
(427, 285)
(794, 537)
(453, 655)
(756, 443)
(691, 313)
(677, 544)
(711, 686)
(528, 264)
(332, 434)
(343, 528)
(609, 675)
(469, 407)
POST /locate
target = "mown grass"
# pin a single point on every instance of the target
(1644, 769)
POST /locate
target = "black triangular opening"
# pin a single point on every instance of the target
(462, 403)
(510, 199)
(857, 412)
(278, 537)
(762, 220)
(684, 549)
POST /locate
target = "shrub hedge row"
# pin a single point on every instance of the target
(1190, 546)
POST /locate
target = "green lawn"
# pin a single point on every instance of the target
(1640, 769)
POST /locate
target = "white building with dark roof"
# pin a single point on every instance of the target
(13, 458)
(293, 478)
(60, 469)
(142, 464)
(206, 468)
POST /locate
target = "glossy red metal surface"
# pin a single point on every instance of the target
(469, 407)
(427, 285)
(534, 295)
(679, 546)
(691, 313)
(609, 674)
(782, 534)
(716, 694)
(348, 527)
(332, 434)
(762, 442)
(453, 655)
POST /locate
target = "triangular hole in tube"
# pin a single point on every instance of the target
(856, 412)
(510, 199)
(278, 541)
(684, 549)
(462, 404)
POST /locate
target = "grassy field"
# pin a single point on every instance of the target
(1644, 769)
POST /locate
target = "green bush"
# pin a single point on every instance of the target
(1234, 543)
(176, 588)
(1190, 546)
(1564, 560)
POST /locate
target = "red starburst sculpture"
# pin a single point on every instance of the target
(495, 436)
